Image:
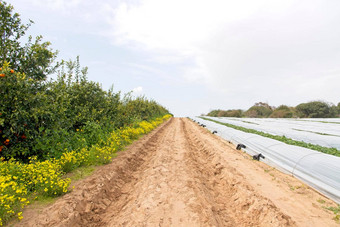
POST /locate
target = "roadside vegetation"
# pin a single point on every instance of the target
(51, 127)
(327, 150)
(20, 183)
(314, 109)
(336, 211)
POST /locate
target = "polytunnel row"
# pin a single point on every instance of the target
(327, 135)
(320, 171)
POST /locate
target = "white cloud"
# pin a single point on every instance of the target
(177, 25)
(78, 14)
(137, 90)
(238, 52)
(255, 46)
(58, 4)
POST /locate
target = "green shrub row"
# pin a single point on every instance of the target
(44, 118)
(314, 109)
(22, 182)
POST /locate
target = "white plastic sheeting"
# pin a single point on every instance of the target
(323, 132)
(322, 120)
(319, 170)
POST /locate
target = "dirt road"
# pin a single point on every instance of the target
(182, 175)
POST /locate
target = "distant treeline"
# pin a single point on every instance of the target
(314, 109)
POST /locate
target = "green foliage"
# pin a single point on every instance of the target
(21, 119)
(213, 113)
(316, 109)
(35, 58)
(327, 150)
(20, 182)
(283, 107)
(225, 113)
(48, 128)
(259, 110)
(282, 111)
(231, 113)
(141, 108)
(336, 211)
(44, 119)
(11, 30)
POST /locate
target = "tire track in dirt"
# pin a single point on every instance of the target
(163, 196)
(282, 192)
(178, 175)
(85, 205)
(233, 201)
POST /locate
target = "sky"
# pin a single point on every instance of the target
(193, 56)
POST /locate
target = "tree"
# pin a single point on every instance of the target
(230, 113)
(282, 111)
(35, 58)
(260, 109)
(213, 113)
(316, 109)
(263, 104)
(225, 113)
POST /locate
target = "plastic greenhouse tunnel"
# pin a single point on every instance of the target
(319, 170)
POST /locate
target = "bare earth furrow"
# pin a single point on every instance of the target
(234, 202)
(182, 175)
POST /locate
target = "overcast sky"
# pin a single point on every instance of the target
(193, 56)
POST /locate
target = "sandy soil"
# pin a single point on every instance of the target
(182, 175)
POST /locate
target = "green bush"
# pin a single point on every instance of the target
(230, 113)
(213, 113)
(259, 110)
(225, 113)
(44, 119)
(316, 109)
(282, 111)
(35, 58)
